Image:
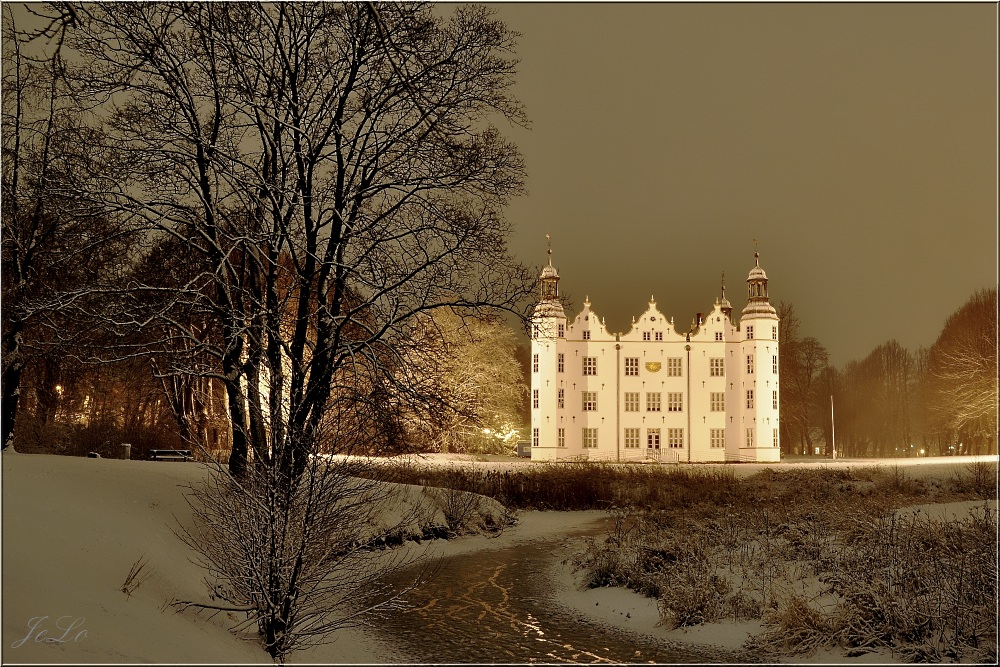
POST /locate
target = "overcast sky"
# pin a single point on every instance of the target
(856, 142)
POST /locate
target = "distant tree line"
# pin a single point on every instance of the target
(934, 401)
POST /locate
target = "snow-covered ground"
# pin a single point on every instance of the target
(73, 528)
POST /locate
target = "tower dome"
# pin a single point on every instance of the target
(757, 273)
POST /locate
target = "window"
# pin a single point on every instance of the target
(631, 401)
(653, 438)
(631, 438)
(562, 437)
(774, 399)
(749, 437)
(675, 402)
(749, 332)
(749, 363)
(774, 364)
(534, 437)
(674, 367)
(562, 399)
(775, 437)
(590, 401)
(675, 438)
(562, 330)
(562, 363)
(536, 331)
(717, 366)
(749, 398)
(534, 363)
(659, 335)
(652, 401)
(586, 335)
(534, 398)
(774, 333)
(631, 365)
(590, 438)
(718, 440)
(718, 401)
(718, 335)
(590, 365)
(645, 335)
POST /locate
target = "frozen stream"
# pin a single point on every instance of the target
(501, 606)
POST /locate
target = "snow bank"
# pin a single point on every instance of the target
(74, 527)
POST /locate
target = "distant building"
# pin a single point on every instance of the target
(709, 394)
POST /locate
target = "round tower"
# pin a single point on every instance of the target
(758, 396)
(548, 342)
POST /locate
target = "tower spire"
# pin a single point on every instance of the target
(549, 280)
(724, 305)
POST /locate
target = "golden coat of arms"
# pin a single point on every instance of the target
(652, 366)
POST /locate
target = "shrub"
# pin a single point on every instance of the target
(923, 588)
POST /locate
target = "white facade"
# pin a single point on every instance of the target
(708, 394)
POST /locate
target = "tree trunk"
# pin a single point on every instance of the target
(13, 365)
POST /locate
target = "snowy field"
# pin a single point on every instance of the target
(74, 527)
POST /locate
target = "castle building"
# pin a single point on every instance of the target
(654, 393)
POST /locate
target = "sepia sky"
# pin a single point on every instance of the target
(856, 142)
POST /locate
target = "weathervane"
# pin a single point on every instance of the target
(549, 239)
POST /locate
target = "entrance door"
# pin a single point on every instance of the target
(653, 444)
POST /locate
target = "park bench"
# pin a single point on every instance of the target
(170, 454)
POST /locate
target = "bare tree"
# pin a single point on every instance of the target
(788, 334)
(50, 238)
(466, 384)
(962, 364)
(329, 172)
(355, 143)
(803, 363)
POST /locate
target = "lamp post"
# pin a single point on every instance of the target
(833, 434)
